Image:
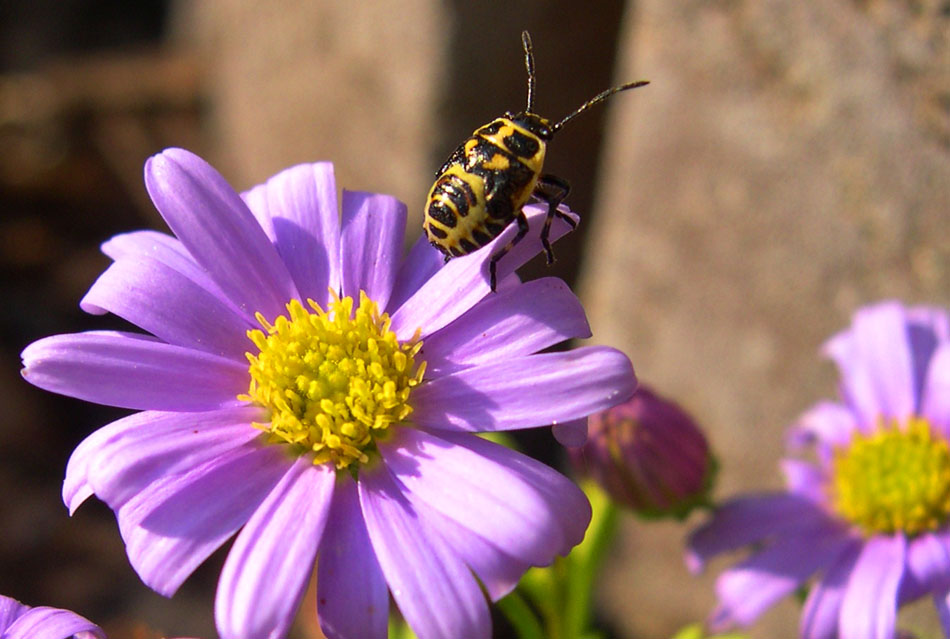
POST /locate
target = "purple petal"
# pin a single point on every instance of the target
(803, 478)
(942, 603)
(267, 569)
(172, 307)
(165, 249)
(51, 623)
(139, 449)
(827, 425)
(928, 560)
(525, 392)
(747, 590)
(519, 321)
(373, 230)
(173, 525)
(746, 520)
(352, 597)
(928, 328)
(869, 608)
(498, 571)
(133, 371)
(935, 401)
(487, 495)
(10, 609)
(422, 263)
(462, 282)
(218, 229)
(874, 358)
(297, 208)
(434, 589)
(822, 608)
(565, 500)
(572, 434)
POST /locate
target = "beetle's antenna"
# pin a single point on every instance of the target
(529, 65)
(600, 97)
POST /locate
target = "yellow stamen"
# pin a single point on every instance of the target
(333, 380)
(894, 479)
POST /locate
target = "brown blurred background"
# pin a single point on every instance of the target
(789, 162)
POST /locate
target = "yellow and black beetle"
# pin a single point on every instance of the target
(487, 180)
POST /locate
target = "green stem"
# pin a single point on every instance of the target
(520, 615)
(585, 563)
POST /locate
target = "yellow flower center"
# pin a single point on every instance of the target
(893, 480)
(334, 381)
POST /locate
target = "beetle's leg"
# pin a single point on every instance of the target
(503, 251)
(553, 190)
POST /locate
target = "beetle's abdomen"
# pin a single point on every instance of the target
(479, 194)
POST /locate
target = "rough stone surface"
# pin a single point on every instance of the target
(789, 163)
(300, 81)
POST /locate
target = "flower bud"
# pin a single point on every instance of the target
(648, 455)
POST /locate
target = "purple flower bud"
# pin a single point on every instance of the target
(648, 455)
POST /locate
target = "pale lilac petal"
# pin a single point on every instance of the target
(935, 401)
(170, 306)
(461, 283)
(874, 358)
(745, 520)
(510, 281)
(422, 262)
(522, 320)
(928, 560)
(76, 486)
(434, 589)
(165, 249)
(10, 609)
(352, 596)
(485, 495)
(805, 479)
(823, 606)
(745, 591)
(572, 434)
(373, 230)
(869, 608)
(525, 392)
(139, 449)
(297, 208)
(827, 426)
(50, 623)
(133, 371)
(270, 563)
(173, 525)
(219, 231)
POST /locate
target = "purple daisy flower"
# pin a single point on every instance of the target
(23, 622)
(870, 515)
(307, 384)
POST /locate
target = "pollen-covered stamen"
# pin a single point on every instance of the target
(894, 479)
(333, 380)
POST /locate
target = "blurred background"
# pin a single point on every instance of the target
(789, 162)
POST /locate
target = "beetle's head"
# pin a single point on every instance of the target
(533, 122)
